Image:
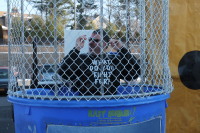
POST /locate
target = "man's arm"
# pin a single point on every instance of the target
(130, 67)
(69, 65)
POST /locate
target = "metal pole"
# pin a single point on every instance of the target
(22, 47)
(35, 64)
(109, 11)
(143, 40)
(101, 34)
(41, 8)
(75, 25)
(55, 44)
(9, 43)
(83, 3)
(152, 41)
(127, 23)
(165, 44)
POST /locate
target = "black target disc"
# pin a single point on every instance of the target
(189, 70)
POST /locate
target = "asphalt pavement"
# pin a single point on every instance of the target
(6, 120)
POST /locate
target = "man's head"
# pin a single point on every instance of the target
(95, 44)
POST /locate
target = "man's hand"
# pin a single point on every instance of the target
(80, 42)
(115, 44)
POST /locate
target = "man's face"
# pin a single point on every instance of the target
(95, 44)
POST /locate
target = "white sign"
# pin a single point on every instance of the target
(70, 39)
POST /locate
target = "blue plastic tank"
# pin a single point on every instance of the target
(139, 115)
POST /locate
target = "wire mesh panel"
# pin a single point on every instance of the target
(88, 49)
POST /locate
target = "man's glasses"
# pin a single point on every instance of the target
(94, 40)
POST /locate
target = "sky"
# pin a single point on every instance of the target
(3, 5)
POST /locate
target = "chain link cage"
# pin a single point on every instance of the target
(88, 49)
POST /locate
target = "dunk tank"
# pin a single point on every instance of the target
(121, 89)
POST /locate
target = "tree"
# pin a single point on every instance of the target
(35, 26)
(82, 18)
(48, 7)
(51, 29)
(130, 11)
(56, 16)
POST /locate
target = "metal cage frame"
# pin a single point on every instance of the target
(33, 25)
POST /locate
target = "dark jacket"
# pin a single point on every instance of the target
(90, 73)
